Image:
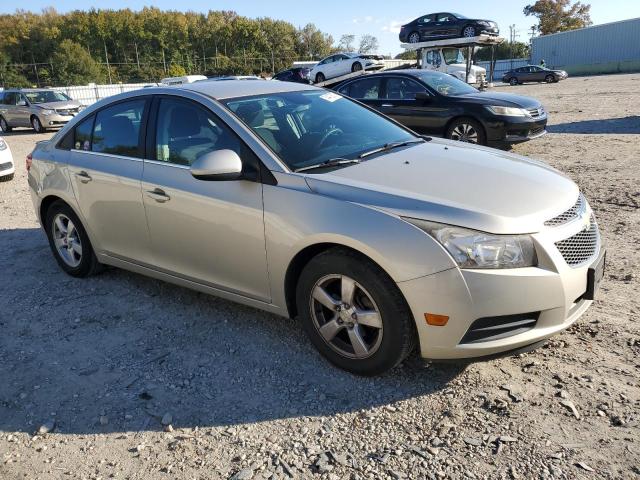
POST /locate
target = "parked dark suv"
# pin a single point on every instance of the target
(445, 25)
(533, 73)
(439, 104)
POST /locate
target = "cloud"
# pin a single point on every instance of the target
(393, 26)
(366, 19)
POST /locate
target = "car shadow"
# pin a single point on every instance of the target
(622, 125)
(115, 352)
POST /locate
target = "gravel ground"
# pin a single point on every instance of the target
(122, 376)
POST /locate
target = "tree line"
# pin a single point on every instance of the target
(99, 46)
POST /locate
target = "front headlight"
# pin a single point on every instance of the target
(474, 249)
(47, 112)
(3, 145)
(507, 111)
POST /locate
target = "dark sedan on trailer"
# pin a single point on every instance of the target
(533, 73)
(436, 103)
(295, 74)
(445, 25)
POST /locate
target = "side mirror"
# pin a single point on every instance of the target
(424, 96)
(217, 165)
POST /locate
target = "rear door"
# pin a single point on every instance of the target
(211, 232)
(105, 164)
(400, 103)
(9, 106)
(426, 25)
(367, 90)
(22, 112)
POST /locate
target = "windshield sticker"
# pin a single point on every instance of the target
(330, 97)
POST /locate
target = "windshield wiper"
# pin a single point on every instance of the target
(329, 163)
(390, 146)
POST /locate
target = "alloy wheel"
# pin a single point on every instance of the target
(469, 32)
(3, 125)
(66, 239)
(549, 79)
(513, 81)
(35, 123)
(346, 316)
(464, 132)
(414, 37)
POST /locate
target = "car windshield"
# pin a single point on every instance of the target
(445, 84)
(308, 128)
(453, 55)
(461, 17)
(46, 96)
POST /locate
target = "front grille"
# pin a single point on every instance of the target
(67, 111)
(569, 215)
(580, 247)
(535, 112)
(5, 166)
(536, 131)
(494, 328)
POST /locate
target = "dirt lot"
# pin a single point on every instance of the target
(100, 362)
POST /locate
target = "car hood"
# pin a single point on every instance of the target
(65, 104)
(500, 99)
(457, 184)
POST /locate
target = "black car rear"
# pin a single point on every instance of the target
(296, 74)
(445, 25)
(438, 104)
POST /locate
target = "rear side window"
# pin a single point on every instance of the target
(117, 129)
(10, 98)
(403, 89)
(367, 89)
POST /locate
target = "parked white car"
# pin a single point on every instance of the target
(451, 60)
(342, 64)
(7, 167)
(182, 80)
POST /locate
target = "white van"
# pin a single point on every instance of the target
(181, 80)
(452, 60)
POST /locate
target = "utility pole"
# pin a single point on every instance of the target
(106, 56)
(513, 34)
(137, 57)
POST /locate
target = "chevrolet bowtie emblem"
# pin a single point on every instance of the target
(586, 221)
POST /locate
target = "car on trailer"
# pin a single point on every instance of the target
(295, 74)
(344, 63)
(445, 25)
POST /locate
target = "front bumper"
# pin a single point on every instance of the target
(55, 120)
(553, 293)
(7, 167)
(515, 129)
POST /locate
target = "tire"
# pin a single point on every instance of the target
(387, 345)
(474, 131)
(36, 124)
(7, 178)
(320, 77)
(513, 81)
(356, 67)
(468, 32)
(549, 79)
(4, 126)
(87, 263)
(414, 37)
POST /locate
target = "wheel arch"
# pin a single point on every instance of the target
(302, 258)
(470, 117)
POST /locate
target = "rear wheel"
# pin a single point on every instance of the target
(320, 77)
(414, 37)
(467, 130)
(354, 313)
(513, 81)
(549, 79)
(468, 31)
(356, 67)
(69, 241)
(4, 126)
(37, 124)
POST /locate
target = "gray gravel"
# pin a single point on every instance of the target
(121, 376)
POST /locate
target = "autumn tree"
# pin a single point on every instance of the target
(559, 15)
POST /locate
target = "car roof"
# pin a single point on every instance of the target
(242, 88)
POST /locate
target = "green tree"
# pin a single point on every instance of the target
(559, 15)
(504, 51)
(74, 65)
(368, 44)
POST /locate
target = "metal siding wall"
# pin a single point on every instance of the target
(607, 47)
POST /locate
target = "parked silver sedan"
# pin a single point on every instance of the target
(307, 204)
(37, 108)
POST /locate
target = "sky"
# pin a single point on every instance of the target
(376, 17)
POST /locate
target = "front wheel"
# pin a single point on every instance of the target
(467, 130)
(513, 81)
(549, 79)
(356, 67)
(468, 31)
(320, 77)
(69, 241)
(37, 125)
(354, 313)
(4, 126)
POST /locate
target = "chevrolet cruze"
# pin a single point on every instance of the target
(305, 203)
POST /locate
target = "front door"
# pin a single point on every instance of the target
(105, 165)
(211, 232)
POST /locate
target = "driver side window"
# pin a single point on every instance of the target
(403, 89)
(186, 131)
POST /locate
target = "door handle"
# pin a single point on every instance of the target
(83, 176)
(386, 105)
(158, 195)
